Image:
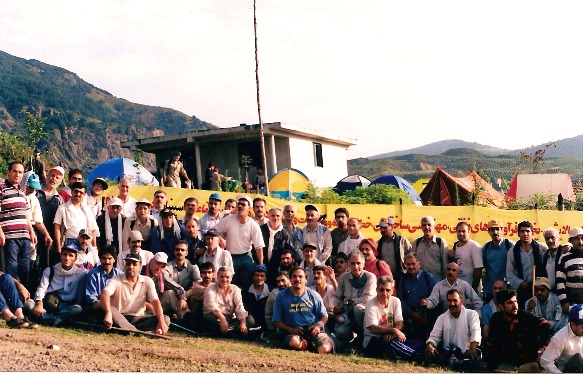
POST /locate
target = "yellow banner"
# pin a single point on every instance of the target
(407, 218)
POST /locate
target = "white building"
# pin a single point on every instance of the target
(322, 158)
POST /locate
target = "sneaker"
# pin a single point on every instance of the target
(16, 323)
(31, 325)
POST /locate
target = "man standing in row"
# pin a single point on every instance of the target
(432, 250)
(314, 232)
(392, 248)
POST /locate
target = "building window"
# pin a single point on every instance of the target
(318, 159)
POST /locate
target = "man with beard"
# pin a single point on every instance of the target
(282, 282)
(181, 270)
(309, 262)
(49, 200)
(110, 224)
(135, 243)
(340, 264)
(467, 253)
(96, 280)
(190, 206)
(392, 248)
(88, 256)
(545, 304)
(566, 347)
(494, 255)
(165, 237)
(552, 256)
(456, 333)
(196, 298)
(314, 232)
(159, 204)
(16, 232)
(354, 290)
(68, 281)
(123, 300)
(569, 278)
(300, 314)
(431, 250)
(286, 263)
(515, 335)
(223, 308)
(141, 221)
(340, 233)
(525, 254)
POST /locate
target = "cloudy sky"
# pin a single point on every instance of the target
(392, 74)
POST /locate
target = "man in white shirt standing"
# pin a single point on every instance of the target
(467, 253)
(128, 207)
(72, 217)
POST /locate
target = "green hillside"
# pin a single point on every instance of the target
(84, 124)
(460, 162)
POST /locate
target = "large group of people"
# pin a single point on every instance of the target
(248, 272)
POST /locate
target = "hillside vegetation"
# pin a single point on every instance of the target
(84, 124)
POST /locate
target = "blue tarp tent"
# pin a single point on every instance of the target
(116, 168)
(399, 182)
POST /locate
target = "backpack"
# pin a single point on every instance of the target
(487, 246)
(437, 240)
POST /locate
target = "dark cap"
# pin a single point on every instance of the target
(73, 247)
(576, 313)
(260, 268)
(176, 153)
(212, 232)
(309, 245)
(133, 257)
(311, 207)
(84, 232)
(384, 222)
(166, 213)
(215, 196)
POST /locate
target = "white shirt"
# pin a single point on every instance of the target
(218, 259)
(350, 245)
(74, 219)
(468, 257)
(376, 314)
(563, 345)
(240, 235)
(129, 207)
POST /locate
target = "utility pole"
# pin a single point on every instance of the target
(263, 158)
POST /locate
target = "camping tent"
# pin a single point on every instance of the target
(444, 189)
(116, 168)
(398, 182)
(287, 183)
(350, 182)
(420, 184)
(523, 186)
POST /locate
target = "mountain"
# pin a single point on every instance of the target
(84, 124)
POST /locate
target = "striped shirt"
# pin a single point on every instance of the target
(569, 279)
(13, 212)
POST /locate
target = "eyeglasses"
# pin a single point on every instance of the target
(241, 203)
(180, 249)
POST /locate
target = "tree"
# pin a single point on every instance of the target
(34, 127)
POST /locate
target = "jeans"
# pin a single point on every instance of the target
(9, 294)
(244, 268)
(66, 310)
(17, 254)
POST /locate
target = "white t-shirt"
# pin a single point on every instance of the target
(468, 257)
(240, 236)
(375, 314)
(350, 245)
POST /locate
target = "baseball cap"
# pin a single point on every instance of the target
(102, 182)
(311, 207)
(135, 236)
(161, 257)
(262, 268)
(494, 223)
(34, 181)
(166, 213)
(384, 222)
(84, 232)
(212, 232)
(132, 257)
(576, 313)
(215, 196)
(575, 231)
(309, 245)
(73, 247)
(115, 201)
(542, 282)
(59, 169)
(144, 201)
(239, 197)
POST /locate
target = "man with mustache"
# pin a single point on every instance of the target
(456, 334)
(515, 335)
(569, 278)
(282, 282)
(494, 255)
(314, 232)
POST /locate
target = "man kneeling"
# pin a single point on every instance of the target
(300, 313)
(223, 309)
(456, 335)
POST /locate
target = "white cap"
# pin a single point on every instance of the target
(115, 201)
(575, 231)
(161, 257)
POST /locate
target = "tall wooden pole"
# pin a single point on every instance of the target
(263, 158)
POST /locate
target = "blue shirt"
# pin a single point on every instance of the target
(297, 311)
(167, 244)
(95, 282)
(494, 259)
(411, 290)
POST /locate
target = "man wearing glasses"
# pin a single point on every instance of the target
(72, 217)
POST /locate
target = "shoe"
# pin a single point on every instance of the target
(16, 323)
(31, 325)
